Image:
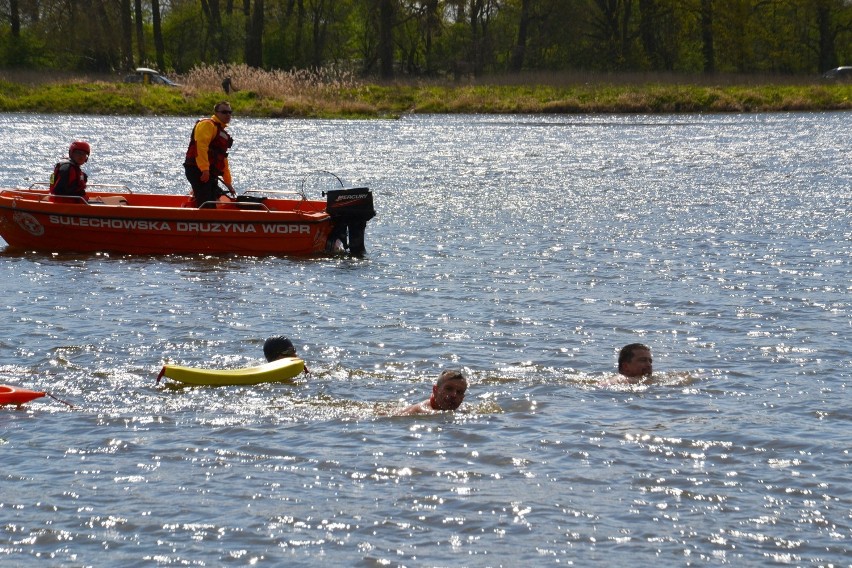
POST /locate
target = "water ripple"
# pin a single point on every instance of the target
(524, 250)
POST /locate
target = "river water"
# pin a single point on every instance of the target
(524, 250)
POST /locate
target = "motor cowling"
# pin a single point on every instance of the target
(350, 209)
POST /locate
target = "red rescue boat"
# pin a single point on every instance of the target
(134, 223)
(17, 395)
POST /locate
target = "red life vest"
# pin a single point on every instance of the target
(68, 179)
(217, 151)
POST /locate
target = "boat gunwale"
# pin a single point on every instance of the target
(35, 202)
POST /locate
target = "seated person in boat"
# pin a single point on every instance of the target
(635, 365)
(278, 347)
(67, 178)
(447, 394)
(207, 156)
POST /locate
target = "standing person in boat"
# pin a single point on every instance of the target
(207, 156)
(68, 178)
(447, 394)
(635, 365)
(279, 347)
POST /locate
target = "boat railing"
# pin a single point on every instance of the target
(283, 194)
(115, 186)
(253, 205)
(301, 193)
(316, 177)
(119, 188)
(41, 188)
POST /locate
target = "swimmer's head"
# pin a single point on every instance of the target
(448, 392)
(635, 361)
(278, 347)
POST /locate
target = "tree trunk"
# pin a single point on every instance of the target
(433, 23)
(648, 25)
(158, 35)
(15, 17)
(254, 37)
(520, 51)
(300, 27)
(386, 14)
(625, 37)
(126, 35)
(218, 33)
(707, 49)
(827, 56)
(247, 44)
(318, 27)
(140, 32)
(213, 13)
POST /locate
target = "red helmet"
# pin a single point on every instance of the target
(81, 146)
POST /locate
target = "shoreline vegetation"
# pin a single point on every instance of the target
(327, 93)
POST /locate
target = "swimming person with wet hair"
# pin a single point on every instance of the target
(635, 362)
(279, 347)
(635, 366)
(447, 394)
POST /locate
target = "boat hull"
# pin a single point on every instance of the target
(162, 224)
(282, 370)
(16, 395)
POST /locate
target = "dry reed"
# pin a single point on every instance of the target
(278, 84)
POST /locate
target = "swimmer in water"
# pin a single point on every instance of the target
(279, 347)
(635, 365)
(447, 394)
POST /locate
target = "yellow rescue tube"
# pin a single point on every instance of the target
(282, 370)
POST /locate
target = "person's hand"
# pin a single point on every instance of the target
(205, 176)
(231, 189)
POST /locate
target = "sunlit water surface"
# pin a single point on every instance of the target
(522, 249)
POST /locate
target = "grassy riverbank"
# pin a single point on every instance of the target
(312, 95)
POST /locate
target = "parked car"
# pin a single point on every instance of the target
(149, 77)
(839, 74)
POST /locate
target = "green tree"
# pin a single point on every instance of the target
(428, 37)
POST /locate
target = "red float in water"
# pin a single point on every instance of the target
(17, 395)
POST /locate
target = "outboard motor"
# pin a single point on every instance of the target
(350, 209)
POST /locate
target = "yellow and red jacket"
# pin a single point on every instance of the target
(208, 148)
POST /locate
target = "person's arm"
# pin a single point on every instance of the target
(226, 178)
(419, 408)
